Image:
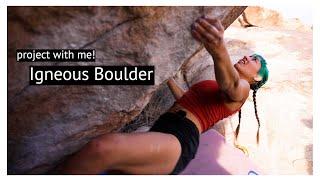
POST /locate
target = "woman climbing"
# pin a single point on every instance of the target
(173, 140)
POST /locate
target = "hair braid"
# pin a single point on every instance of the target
(238, 127)
(256, 113)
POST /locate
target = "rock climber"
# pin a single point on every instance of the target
(173, 140)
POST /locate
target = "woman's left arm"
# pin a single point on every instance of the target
(176, 90)
(210, 32)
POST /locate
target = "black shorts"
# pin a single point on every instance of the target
(185, 130)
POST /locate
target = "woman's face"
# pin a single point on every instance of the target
(248, 68)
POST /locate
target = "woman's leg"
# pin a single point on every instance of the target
(134, 153)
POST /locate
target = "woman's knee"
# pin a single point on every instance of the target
(106, 145)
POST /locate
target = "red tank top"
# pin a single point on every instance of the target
(206, 102)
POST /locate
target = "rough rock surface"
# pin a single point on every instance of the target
(263, 17)
(46, 123)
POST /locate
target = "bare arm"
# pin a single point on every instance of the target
(176, 90)
(228, 77)
(210, 31)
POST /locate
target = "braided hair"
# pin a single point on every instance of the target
(257, 117)
(264, 73)
(238, 127)
(256, 113)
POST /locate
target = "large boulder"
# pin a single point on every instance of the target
(47, 123)
(268, 18)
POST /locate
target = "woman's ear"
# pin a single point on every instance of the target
(257, 78)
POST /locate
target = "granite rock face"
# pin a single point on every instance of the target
(255, 16)
(47, 123)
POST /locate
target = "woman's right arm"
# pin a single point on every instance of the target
(210, 32)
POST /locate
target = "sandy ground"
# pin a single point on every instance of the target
(284, 104)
